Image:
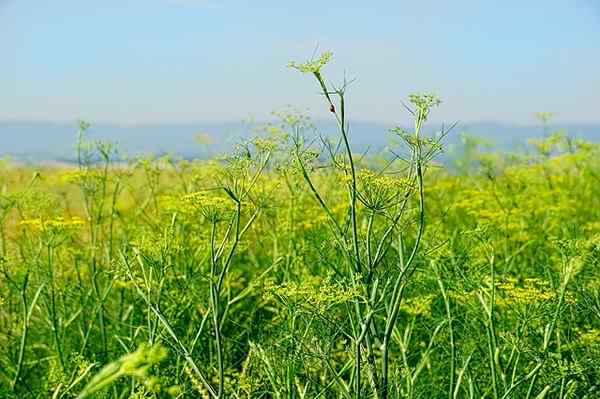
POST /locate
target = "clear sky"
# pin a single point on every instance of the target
(152, 61)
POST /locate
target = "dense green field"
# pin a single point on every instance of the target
(294, 268)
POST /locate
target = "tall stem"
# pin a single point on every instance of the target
(53, 316)
(405, 273)
(214, 302)
(24, 334)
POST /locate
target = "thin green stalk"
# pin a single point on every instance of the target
(353, 190)
(451, 332)
(53, 313)
(492, 330)
(368, 239)
(27, 311)
(236, 241)
(2, 237)
(341, 119)
(214, 303)
(405, 273)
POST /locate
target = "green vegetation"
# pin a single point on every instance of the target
(295, 268)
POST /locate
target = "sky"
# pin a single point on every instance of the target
(184, 61)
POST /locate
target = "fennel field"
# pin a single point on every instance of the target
(296, 268)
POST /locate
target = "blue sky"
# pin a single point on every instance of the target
(155, 61)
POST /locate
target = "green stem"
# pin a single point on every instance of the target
(214, 303)
(405, 274)
(451, 332)
(53, 316)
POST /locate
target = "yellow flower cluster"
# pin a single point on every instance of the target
(313, 219)
(312, 66)
(531, 290)
(202, 199)
(58, 223)
(378, 191)
(380, 181)
(211, 205)
(418, 305)
(462, 297)
(264, 145)
(320, 294)
(590, 337)
(546, 145)
(77, 175)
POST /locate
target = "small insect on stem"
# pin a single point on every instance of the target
(332, 109)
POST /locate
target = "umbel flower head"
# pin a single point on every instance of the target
(313, 65)
(423, 102)
(213, 207)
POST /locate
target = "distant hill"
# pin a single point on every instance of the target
(46, 141)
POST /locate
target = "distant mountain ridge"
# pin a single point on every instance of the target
(47, 141)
